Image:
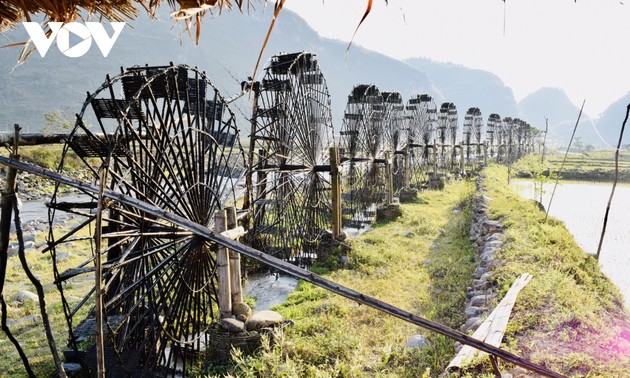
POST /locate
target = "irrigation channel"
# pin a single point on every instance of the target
(584, 219)
(166, 217)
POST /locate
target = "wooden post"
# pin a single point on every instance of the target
(250, 152)
(7, 208)
(235, 261)
(485, 153)
(98, 279)
(462, 160)
(435, 156)
(223, 268)
(389, 184)
(407, 174)
(335, 183)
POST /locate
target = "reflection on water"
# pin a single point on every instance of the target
(582, 206)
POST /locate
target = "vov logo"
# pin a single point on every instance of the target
(61, 32)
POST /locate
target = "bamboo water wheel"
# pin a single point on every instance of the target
(473, 124)
(395, 137)
(162, 135)
(447, 137)
(289, 150)
(493, 127)
(362, 146)
(422, 120)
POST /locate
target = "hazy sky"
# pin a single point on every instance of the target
(582, 47)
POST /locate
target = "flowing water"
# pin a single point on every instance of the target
(582, 206)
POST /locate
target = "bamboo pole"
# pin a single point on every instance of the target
(335, 184)
(223, 268)
(287, 267)
(252, 145)
(564, 160)
(6, 208)
(407, 174)
(236, 292)
(614, 186)
(462, 160)
(98, 279)
(389, 184)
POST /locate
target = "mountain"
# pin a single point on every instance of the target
(228, 48)
(610, 121)
(467, 87)
(554, 105)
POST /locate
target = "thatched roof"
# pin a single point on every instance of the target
(15, 11)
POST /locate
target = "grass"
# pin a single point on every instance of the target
(587, 166)
(421, 262)
(570, 315)
(24, 318)
(48, 156)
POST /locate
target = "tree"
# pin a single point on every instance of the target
(58, 121)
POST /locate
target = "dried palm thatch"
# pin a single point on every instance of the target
(14, 11)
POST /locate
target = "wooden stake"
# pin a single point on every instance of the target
(235, 261)
(407, 177)
(462, 160)
(389, 182)
(252, 145)
(223, 268)
(612, 192)
(335, 183)
(577, 122)
(98, 279)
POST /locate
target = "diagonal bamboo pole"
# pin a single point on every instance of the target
(288, 268)
(614, 186)
(564, 160)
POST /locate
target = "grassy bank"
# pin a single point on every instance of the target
(421, 262)
(570, 317)
(586, 166)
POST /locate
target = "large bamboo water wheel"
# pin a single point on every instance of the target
(422, 119)
(289, 150)
(162, 135)
(395, 137)
(362, 147)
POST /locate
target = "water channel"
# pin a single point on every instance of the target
(582, 206)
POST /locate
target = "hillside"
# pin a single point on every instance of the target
(554, 105)
(228, 49)
(468, 87)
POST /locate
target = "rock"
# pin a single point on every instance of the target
(343, 260)
(417, 341)
(242, 308)
(241, 317)
(232, 325)
(29, 238)
(472, 324)
(381, 272)
(61, 256)
(472, 311)
(388, 212)
(480, 300)
(71, 367)
(263, 319)
(407, 234)
(342, 236)
(24, 295)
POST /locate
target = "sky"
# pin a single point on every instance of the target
(580, 46)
